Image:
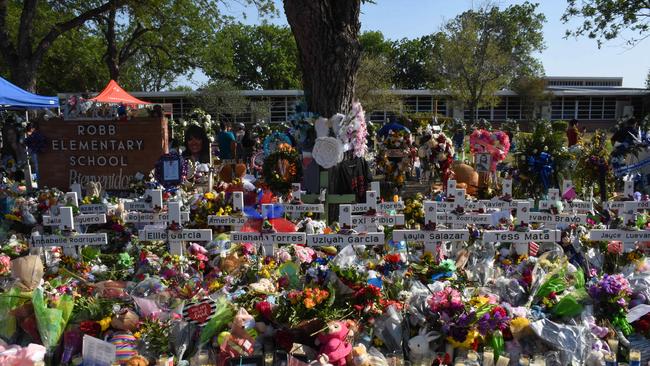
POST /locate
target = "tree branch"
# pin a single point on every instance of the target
(77, 21)
(125, 52)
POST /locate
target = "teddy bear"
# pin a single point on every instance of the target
(360, 355)
(333, 343)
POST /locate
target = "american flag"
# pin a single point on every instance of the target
(532, 249)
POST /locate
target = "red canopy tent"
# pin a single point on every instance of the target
(113, 93)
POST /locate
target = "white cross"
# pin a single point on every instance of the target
(147, 210)
(341, 240)
(232, 221)
(69, 241)
(371, 203)
(627, 237)
(553, 194)
(175, 238)
(76, 187)
(294, 209)
(628, 188)
(151, 201)
(58, 216)
(506, 187)
(346, 218)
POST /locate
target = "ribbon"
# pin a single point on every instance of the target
(544, 164)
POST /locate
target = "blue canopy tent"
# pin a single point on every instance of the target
(13, 97)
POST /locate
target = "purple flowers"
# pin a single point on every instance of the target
(610, 285)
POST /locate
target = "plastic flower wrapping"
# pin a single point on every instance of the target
(428, 292)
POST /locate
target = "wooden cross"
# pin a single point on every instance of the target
(342, 240)
(82, 220)
(176, 238)
(627, 237)
(296, 209)
(152, 201)
(346, 217)
(231, 221)
(521, 239)
(70, 241)
(327, 199)
(148, 210)
(569, 206)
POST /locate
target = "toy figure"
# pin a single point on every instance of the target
(333, 343)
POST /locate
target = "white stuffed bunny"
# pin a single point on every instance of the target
(419, 345)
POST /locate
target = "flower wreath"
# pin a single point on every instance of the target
(393, 157)
(273, 141)
(440, 153)
(158, 170)
(281, 168)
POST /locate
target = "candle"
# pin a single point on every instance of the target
(613, 345)
(503, 361)
(524, 361)
(635, 357)
(488, 357)
(610, 359)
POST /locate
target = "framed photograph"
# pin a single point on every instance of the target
(171, 170)
(483, 163)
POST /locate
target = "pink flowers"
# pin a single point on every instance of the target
(304, 254)
(448, 300)
(496, 143)
(5, 265)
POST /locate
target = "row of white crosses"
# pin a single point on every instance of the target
(175, 238)
(63, 218)
(554, 195)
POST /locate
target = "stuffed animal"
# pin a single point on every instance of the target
(333, 343)
(321, 361)
(419, 345)
(360, 355)
(94, 189)
(137, 361)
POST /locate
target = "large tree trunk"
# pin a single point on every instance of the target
(111, 57)
(326, 33)
(23, 74)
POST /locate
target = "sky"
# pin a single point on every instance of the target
(398, 19)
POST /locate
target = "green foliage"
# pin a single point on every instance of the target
(254, 57)
(414, 62)
(373, 82)
(593, 160)
(482, 51)
(532, 93)
(544, 138)
(374, 44)
(221, 99)
(559, 126)
(605, 20)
